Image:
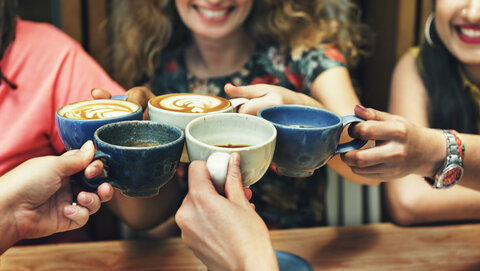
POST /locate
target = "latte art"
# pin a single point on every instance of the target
(99, 110)
(191, 103)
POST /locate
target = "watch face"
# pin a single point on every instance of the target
(451, 176)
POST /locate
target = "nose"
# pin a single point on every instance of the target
(471, 11)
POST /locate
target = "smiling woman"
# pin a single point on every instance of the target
(437, 86)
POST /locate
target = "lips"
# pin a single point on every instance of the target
(468, 33)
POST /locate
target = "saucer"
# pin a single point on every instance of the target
(291, 262)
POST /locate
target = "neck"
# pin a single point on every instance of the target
(208, 58)
(473, 73)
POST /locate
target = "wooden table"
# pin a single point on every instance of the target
(371, 247)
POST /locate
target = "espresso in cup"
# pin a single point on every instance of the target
(99, 109)
(191, 103)
(179, 109)
(78, 121)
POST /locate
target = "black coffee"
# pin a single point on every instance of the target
(233, 146)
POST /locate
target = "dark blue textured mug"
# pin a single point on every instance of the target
(307, 137)
(77, 122)
(138, 156)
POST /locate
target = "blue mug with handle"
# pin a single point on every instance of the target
(139, 157)
(77, 122)
(307, 137)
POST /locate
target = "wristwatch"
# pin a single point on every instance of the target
(452, 169)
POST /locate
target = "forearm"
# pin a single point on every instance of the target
(146, 213)
(412, 201)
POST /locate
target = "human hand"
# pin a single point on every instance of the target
(225, 233)
(139, 95)
(401, 148)
(263, 95)
(39, 194)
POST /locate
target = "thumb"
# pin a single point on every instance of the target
(74, 161)
(233, 185)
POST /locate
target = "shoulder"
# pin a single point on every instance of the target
(44, 37)
(407, 65)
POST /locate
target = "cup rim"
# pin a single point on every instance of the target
(141, 122)
(283, 126)
(234, 115)
(154, 108)
(139, 108)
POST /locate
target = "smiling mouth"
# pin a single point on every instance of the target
(469, 32)
(213, 14)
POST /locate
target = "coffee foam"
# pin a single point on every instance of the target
(191, 103)
(98, 110)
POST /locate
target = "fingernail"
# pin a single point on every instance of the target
(361, 107)
(86, 146)
(232, 84)
(87, 198)
(70, 210)
(92, 90)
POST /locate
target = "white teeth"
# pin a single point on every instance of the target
(470, 32)
(212, 13)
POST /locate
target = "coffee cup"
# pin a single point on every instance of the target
(307, 137)
(78, 121)
(212, 138)
(139, 157)
(178, 109)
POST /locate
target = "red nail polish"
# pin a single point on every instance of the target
(361, 107)
(232, 84)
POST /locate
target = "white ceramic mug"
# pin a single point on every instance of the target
(213, 138)
(186, 107)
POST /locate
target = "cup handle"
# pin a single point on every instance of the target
(217, 164)
(354, 144)
(236, 102)
(120, 97)
(94, 183)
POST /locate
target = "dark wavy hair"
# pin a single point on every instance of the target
(7, 31)
(450, 105)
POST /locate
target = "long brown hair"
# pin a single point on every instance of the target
(7, 32)
(144, 28)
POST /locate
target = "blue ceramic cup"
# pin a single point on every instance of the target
(138, 156)
(77, 122)
(307, 137)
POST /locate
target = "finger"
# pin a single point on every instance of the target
(90, 201)
(105, 191)
(249, 92)
(233, 183)
(199, 177)
(98, 93)
(140, 95)
(379, 130)
(74, 161)
(95, 170)
(371, 114)
(372, 156)
(77, 215)
(254, 105)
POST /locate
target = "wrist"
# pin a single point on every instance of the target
(8, 226)
(263, 259)
(436, 154)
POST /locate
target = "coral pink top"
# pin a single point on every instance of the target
(50, 70)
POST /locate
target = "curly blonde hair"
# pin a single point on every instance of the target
(142, 29)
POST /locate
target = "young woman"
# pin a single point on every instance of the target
(267, 48)
(437, 86)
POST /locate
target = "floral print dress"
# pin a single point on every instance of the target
(282, 202)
